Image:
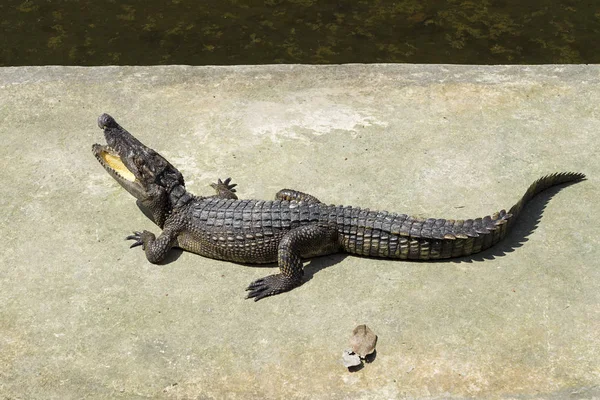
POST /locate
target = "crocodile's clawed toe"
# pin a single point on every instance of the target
(271, 285)
(137, 236)
(224, 185)
(258, 289)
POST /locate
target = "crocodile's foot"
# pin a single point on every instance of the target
(139, 237)
(289, 194)
(271, 285)
(155, 248)
(224, 189)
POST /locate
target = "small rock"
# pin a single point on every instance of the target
(363, 341)
(350, 359)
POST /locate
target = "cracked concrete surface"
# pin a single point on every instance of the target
(84, 316)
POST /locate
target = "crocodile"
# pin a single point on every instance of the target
(293, 227)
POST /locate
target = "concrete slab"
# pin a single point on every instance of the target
(84, 316)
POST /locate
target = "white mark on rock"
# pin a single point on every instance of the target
(316, 114)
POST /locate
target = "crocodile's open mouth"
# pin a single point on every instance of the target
(139, 169)
(111, 161)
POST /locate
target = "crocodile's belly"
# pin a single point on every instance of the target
(231, 245)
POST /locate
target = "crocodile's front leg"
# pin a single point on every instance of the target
(302, 242)
(155, 248)
(224, 189)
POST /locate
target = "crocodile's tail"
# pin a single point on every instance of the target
(493, 229)
(503, 220)
(388, 235)
(539, 186)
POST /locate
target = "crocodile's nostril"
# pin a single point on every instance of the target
(106, 121)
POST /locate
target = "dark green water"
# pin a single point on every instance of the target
(36, 32)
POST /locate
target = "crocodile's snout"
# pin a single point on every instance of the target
(106, 121)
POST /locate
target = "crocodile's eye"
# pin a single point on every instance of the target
(140, 164)
(146, 172)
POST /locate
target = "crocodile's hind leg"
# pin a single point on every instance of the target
(302, 242)
(289, 194)
(224, 189)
